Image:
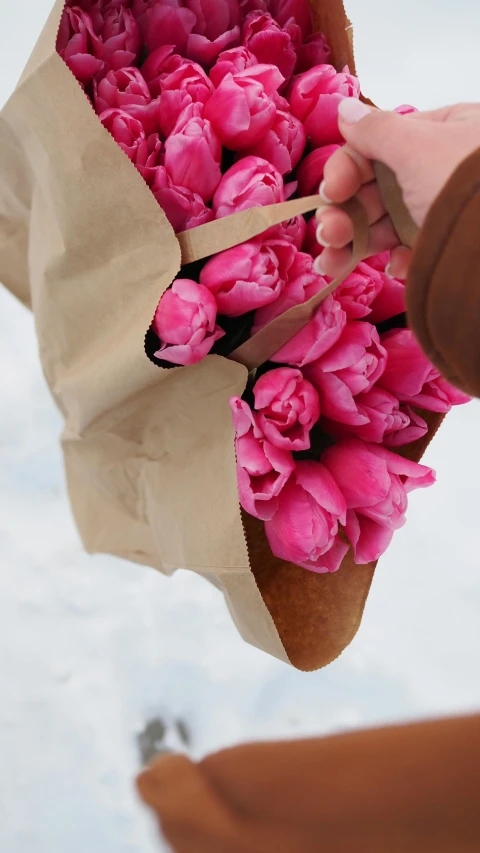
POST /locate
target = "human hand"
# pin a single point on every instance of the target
(423, 149)
(404, 788)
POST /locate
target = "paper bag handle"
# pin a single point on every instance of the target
(393, 200)
(222, 234)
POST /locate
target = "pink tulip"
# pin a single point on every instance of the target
(250, 183)
(241, 109)
(164, 23)
(121, 89)
(216, 29)
(183, 208)
(185, 86)
(283, 145)
(187, 77)
(416, 429)
(177, 107)
(284, 10)
(359, 291)
(121, 38)
(248, 276)
(352, 366)
(262, 469)
(375, 483)
(316, 338)
(78, 45)
(310, 243)
(270, 43)
(383, 414)
(192, 157)
(158, 65)
(304, 530)
(367, 475)
(390, 301)
(293, 230)
(128, 132)
(412, 378)
(231, 62)
(315, 98)
(185, 323)
(126, 90)
(314, 51)
(370, 540)
(287, 408)
(97, 10)
(311, 170)
(385, 421)
(302, 284)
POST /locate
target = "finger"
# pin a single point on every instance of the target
(345, 172)
(384, 136)
(333, 263)
(382, 238)
(196, 817)
(400, 261)
(335, 227)
(193, 818)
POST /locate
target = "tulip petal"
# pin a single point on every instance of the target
(330, 562)
(361, 475)
(416, 476)
(369, 539)
(336, 399)
(319, 483)
(321, 333)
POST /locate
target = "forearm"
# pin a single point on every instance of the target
(411, 789)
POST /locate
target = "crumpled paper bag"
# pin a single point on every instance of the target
(149, 453)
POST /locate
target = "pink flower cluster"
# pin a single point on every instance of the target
(212, 100)
(224, 105)
(363, 393)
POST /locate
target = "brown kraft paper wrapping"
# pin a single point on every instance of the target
(149, 453)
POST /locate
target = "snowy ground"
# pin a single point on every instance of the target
(91, 648)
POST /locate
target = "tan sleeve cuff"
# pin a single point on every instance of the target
(443, 287)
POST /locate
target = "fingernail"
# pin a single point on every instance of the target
(320, 238)
(351, 110)
(317, 266)
(388, 271)
(323, 194)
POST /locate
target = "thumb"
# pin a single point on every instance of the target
(375, 134)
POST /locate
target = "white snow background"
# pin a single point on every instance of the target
(92, 648)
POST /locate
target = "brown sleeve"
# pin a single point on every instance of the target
(443, 288)
(410, 788)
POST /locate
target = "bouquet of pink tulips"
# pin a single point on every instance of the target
(234, 105)
(226, 112)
